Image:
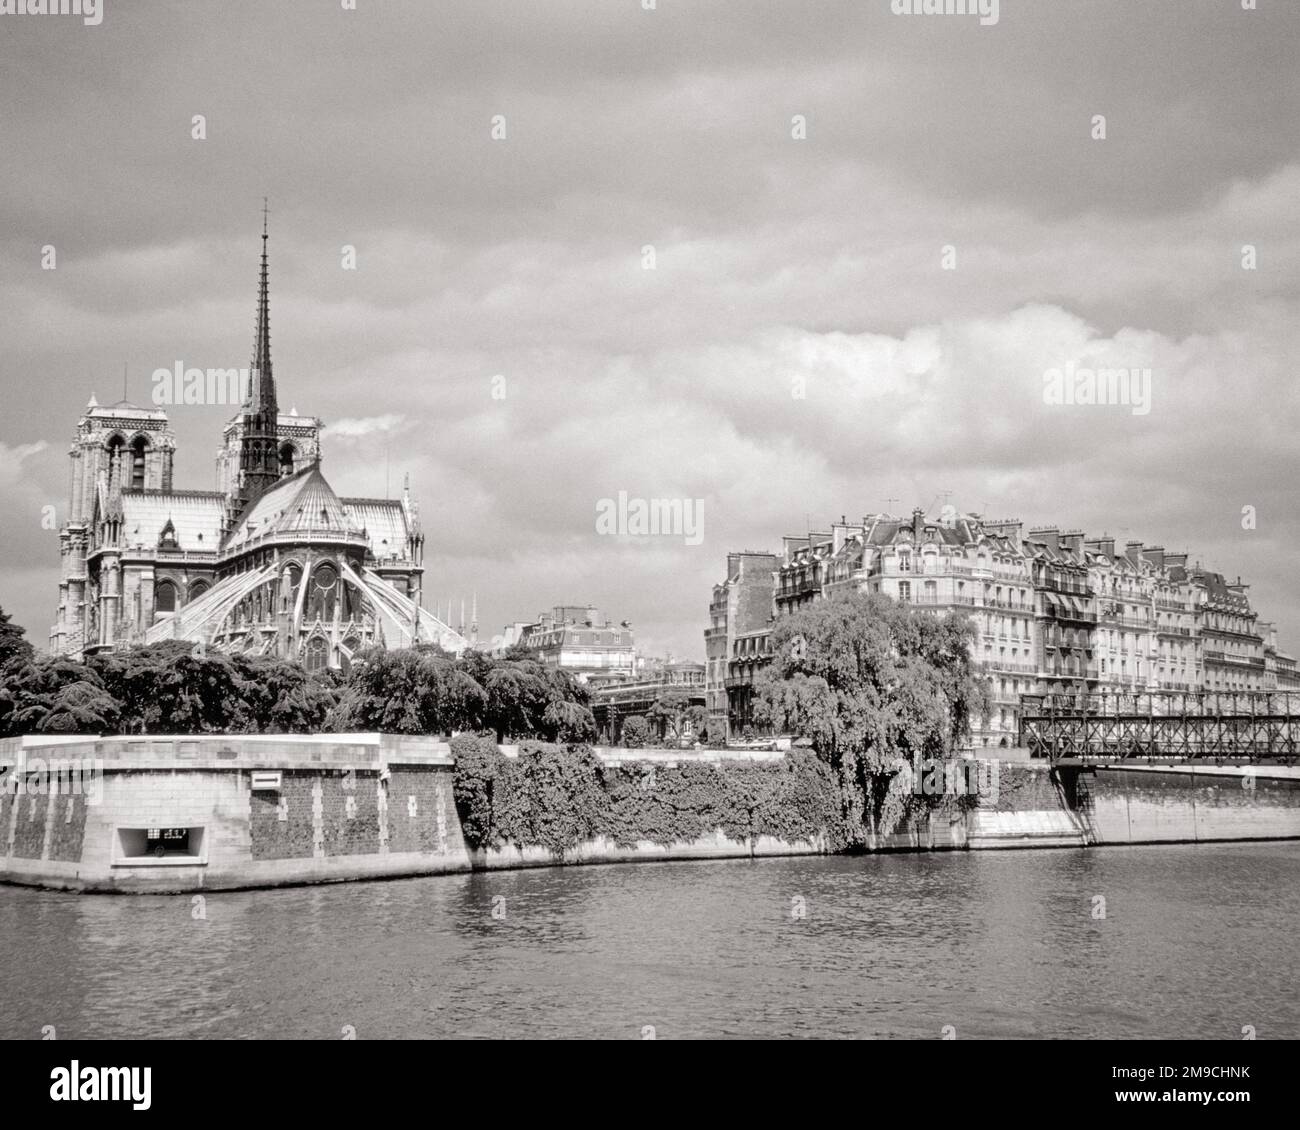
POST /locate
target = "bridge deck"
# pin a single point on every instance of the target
(1248, 726)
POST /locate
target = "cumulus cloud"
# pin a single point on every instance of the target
(503, 342)
(12, 460)
(358, 427)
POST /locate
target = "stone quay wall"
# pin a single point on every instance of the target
(271, 810)
(1155, 804)
(259, 811)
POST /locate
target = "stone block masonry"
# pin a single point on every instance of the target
(419, 817)
(282, 823)
(219, 812)
(1139, 804)
(216, 812)
(29, 827)
(349, 813)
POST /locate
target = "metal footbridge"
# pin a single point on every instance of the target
(1165, 727)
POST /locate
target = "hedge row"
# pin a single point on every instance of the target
(558, 796)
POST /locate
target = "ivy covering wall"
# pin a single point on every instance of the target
(558, 796)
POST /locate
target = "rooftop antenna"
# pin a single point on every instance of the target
(942, 494)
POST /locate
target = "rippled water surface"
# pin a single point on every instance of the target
(1197, 941)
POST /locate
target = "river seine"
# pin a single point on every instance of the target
(1195, 942)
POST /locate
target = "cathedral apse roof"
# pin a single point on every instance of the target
(302, 504)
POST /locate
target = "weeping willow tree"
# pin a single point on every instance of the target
(873, 685)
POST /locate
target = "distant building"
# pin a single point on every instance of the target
(740, 617)
(615, 701)
(578, 639)
(1053, 610)
(511, 635)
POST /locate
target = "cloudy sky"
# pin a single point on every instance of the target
(782, 264)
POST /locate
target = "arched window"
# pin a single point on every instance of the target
(286, 458)
(323, 592)
(164, 597)
(289, 586)
(115, 447)
(138, 448)
(315, 655)
(198, 588)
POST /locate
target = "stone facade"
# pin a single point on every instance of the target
(271, 562)
(1053, 610)
(741, 609)
(580, 640)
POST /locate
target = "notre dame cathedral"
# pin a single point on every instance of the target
(272, 562)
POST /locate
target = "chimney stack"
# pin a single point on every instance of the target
(1006, 527)
(1048, 535)
(1104, 545)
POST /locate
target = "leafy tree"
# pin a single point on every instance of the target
(521, 691)
(872, 683)
(278, 696)
(514, 696)
(54, 694)
(569, 722)
(668, 713)
(408, 692)
(637, 733)
(12, 644)
(169, 689)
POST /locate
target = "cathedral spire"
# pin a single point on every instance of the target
(259, 457)
(262, 386)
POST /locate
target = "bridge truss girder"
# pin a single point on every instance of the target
(1259, 726)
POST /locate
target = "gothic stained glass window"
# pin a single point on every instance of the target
(323, 592)
(164, 599)
(315, 654)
